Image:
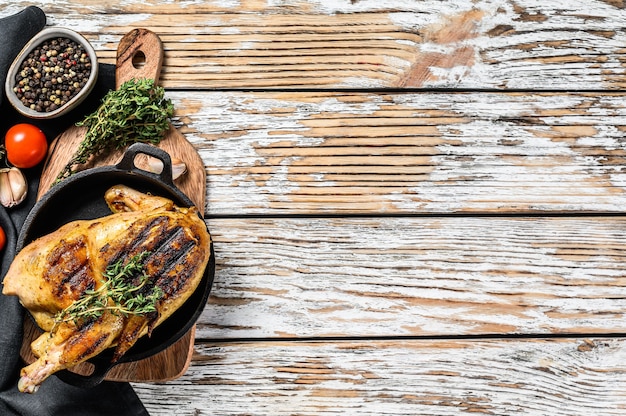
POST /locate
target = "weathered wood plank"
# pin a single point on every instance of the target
(373, 153)
(311, 277)
(498, 377)
(389, 43)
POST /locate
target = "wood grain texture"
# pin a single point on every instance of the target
(405, 153)
(438, 123)
(363, 44)
(373, 277)
(498, 377)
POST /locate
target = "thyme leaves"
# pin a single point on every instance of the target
(136, 112)
(118, 294)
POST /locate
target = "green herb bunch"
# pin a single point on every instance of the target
(117, 294)
(136, 112)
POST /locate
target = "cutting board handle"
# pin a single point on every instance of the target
(139, 55)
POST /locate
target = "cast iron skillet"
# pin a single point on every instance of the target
(81, 196)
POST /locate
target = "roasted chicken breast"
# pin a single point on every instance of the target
(60, 269)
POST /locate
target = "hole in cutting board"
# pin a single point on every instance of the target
(139, 60)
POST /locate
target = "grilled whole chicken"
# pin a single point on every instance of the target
(59, 269)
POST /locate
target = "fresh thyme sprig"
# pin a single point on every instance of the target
(117, 294)
(136, 112)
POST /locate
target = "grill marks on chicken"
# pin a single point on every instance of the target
(52, 272)
(68, 273)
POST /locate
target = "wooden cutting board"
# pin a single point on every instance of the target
(139, 55)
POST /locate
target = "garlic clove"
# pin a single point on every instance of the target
(6, 195)
(19, 187)
(13, 187)
(179, 167)
(155, 165)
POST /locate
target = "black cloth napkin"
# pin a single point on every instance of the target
(54, 397)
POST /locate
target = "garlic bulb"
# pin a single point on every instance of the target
(179, 167)
(13, 187)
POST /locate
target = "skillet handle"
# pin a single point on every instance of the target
(128, 161)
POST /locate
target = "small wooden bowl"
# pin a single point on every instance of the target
(37, 40)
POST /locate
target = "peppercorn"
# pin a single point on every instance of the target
(52, 74)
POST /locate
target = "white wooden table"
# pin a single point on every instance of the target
(417, 206)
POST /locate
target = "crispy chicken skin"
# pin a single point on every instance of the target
(55, 270)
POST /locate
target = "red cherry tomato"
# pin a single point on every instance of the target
(26, 145)
(3, 239)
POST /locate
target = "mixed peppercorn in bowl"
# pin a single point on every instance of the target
(52, 74)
